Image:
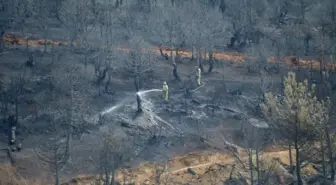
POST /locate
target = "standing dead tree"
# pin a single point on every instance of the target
(104, 63)
(87, 50)
(69, 96)
(5, 19)
(13, 92)
(249, 166)
(2, 82)
(260, 64)
(3, 104)
(137, 63)
(101, 69)
(203, 30)
(249, 161)
(55, 153)
(114, 153)
(245, 25)
(170, 31)
(42, 20)
(11, 97)
(66, 102)
(13, 13)
(162, 175)
(111, 58)
(108, 15)
(77, 17)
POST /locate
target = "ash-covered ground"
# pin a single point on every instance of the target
(195, 118)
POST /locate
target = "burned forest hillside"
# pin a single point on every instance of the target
(173, 92)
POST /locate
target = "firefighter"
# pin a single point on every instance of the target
(198, 75)
(165, 91)
(12, 122)
(12, 127)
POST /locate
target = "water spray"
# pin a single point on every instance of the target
(141, 93)
(140, 97)
(111, 109)
(202, 85)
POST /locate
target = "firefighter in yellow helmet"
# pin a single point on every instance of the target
(198, 75)
(165, 91)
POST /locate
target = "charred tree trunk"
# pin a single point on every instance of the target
(136, 82)
(322, 67)
(85, 63)
(165, 56)
(16, 108)
(27, 45)
(2, 33)
(222, 6)
(97, 68)
(107, 84)
(3, 106)
(205, 55)
(57, 182)
(177, 53)
(45, 42)
(117, 4)
(307, 39)
(251, 166)
(175, 73)
(311, 71)
(172, 57)
(107, 178)
(237, 41)
(53, 54)
(101, 31)
(333, 12)
(149, 5)
(113, 174)
(297, 155)
(199, 61)
(282, 71)
(139, 105)
(211, 62)
(193, 53)
(177, 77)
(330, 155)
(211, 66)
(291, 167)
(231, 172)
(258, 167)
(233, 41)
(324, 174)
(101, 77)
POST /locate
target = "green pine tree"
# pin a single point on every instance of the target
(296, 115)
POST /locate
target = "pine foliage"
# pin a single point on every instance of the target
(297, 109)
